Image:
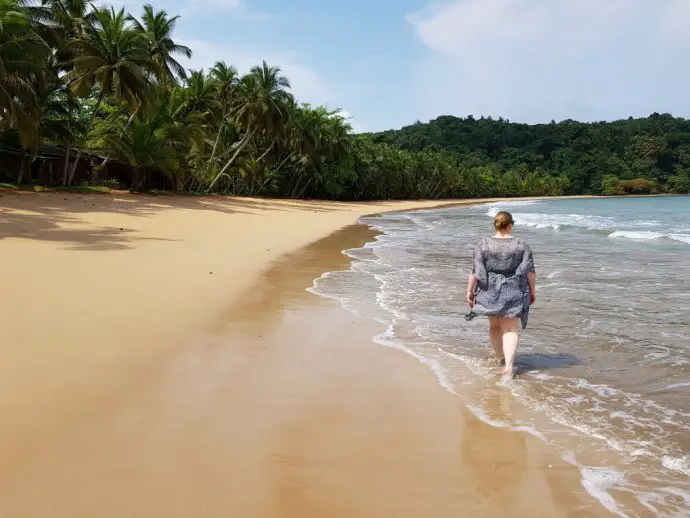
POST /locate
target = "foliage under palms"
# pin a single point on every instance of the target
(151, 141)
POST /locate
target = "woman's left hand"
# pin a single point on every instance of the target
(470, 299)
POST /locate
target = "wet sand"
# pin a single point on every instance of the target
(161, 358)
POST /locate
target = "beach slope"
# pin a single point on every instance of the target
(160, 357)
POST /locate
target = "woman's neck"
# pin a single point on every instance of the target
(502, 235)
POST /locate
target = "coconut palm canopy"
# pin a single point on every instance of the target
(100, 81)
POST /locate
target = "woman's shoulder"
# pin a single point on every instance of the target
(484, 242)
(522, 243)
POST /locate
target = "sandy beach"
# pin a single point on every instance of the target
(160, 357)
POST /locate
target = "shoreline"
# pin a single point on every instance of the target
(114, 392)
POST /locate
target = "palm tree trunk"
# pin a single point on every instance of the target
(65, 169)
(73, 169)
(246, 140)
(215, 144)
(22, 167)
(92, 118)
(96, 106)
(263, 155)
(265, 183)
(277, 169)
(129, 123)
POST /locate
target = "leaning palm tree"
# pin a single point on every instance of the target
(225, 80)
(158, 30)
(262, 107)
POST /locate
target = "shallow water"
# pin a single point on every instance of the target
(604, 366)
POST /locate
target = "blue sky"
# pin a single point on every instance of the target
(388, 63)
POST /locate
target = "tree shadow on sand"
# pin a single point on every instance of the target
(48, 228)
(56, 217)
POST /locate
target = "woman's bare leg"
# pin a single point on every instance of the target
(496, 337)
(510, 331)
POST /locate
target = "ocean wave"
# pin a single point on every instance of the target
(556, 221)
(632, 234)
(642, 235)
(515, 203)
(683, 238)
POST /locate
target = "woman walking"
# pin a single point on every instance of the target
(502, 287)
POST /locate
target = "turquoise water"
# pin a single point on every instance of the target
(604, 366)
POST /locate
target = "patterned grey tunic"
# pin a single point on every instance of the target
(501, 267)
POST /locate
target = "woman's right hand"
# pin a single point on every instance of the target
(532, 297)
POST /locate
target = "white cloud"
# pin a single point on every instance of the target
(573, 25)
(541, 59)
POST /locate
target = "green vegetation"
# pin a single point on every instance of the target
(108, 89)
(634, 156)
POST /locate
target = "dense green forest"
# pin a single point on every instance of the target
(101, 82)
(633, 156)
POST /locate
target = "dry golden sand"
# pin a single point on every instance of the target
(159, 357)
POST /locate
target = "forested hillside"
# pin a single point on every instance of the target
(626, 156)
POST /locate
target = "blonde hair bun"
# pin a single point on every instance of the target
(503, 220)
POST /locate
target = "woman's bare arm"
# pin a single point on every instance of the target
(532, 281)
(471, 286)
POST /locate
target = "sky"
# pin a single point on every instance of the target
(389, 63)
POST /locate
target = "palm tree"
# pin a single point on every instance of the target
(114, 58)
(154, 140)
(316, 135)
(200, 94)
(158, 30)
(262, 107)
(62, 21)
(22, 57)
(225, 80)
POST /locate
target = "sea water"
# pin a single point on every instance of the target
(604, 365)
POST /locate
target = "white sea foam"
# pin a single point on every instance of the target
(642, 235)
(679, 464)
(556, 221)
(481, 414)
(511, 203)
(683, 238)
(674, 386)
(387, 339)
(598, 482)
